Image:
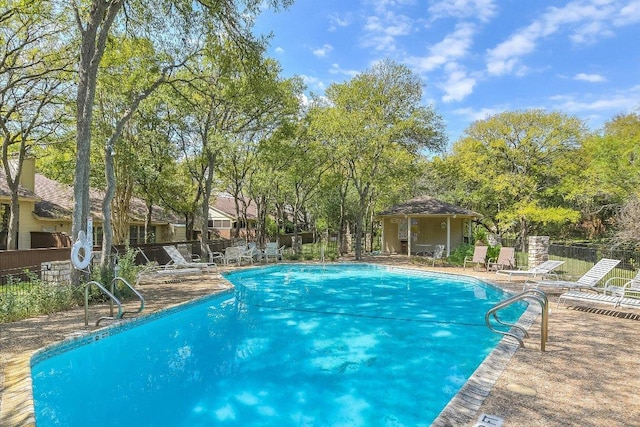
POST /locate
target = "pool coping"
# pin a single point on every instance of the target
(18, 408)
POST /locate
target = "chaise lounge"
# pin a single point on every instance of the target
(625, 296)
(178, 261)
(543, 270)
(589, 280)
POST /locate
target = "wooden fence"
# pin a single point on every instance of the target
(14, 263)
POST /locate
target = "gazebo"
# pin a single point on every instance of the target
(419, 224)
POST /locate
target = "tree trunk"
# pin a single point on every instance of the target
(359, 229)
(206, 196)
(147, 220)
(92, 45)
(342, 221)
(13, 182)
(110, 175)
(261, 225)
(12, 232)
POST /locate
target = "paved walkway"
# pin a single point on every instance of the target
(587, 377)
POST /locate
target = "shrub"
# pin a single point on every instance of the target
(457, 256)
(26, 299)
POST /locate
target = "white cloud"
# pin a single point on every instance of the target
(629, 14)
(584, 21)
(336, 21)
(591, 78)
(454, 46)
(279, 50)
(383, 6)
(605, 105)
(481, 114)
(313, 82)
(484, 10)
(336, 69)
(323, 51)
(381, 31)
(458, 85)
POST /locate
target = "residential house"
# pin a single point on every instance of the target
(223, 218)
(46, 208)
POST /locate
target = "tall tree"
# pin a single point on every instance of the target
(371, 120)
(95, 19)
(610, 173)
(510, 168)
(32, 79)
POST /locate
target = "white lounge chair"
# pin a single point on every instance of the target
(479, 257)
(544, 269)
(249, 254)
(232, 254)
(438, 253)
(626, 296)
(506, 259)
(178, 261)
(272, 250)
(589, 280)
(214, 256)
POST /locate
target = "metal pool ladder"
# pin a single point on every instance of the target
(532, 294)
(112, 299)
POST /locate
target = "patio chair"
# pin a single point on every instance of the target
(187, 254)
(272, 250)
(625, 296)
(257, 253)
(506, 259)
(479, 257)
(544, 270)
(232, 254)
(178, 261)
(214, 256)
(438, 253)
(589, 280)
(248, 254)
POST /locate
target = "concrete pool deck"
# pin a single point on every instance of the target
(588, 376)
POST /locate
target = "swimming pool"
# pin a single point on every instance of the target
(296, 345)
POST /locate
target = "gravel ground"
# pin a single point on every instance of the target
(588, 375)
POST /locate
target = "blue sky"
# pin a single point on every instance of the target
(476, 57)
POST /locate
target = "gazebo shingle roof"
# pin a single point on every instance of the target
(426, 205)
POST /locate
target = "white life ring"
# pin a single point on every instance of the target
(81, 246)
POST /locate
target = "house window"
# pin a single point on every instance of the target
(221, 223)
(5, 213)
(98, 235)
(136, 234)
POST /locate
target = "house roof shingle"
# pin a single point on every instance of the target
(426, 205)
(57, 203)
(23, 193)
(225, 203)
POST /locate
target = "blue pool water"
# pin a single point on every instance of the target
(296, 345)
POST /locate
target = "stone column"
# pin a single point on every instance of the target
(538, 250)
(56, 272)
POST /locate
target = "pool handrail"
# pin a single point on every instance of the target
(533, 294)
(112, 299)
(127, 284)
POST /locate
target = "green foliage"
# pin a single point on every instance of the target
(20, 300)
(493, 252)
(480, 235)
(458, 254)
(509, 166)
(127, 268)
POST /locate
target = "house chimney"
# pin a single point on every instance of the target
(28, 176)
